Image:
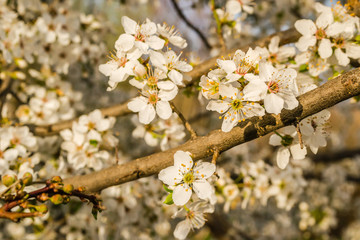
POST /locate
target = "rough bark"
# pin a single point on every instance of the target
(325, 96)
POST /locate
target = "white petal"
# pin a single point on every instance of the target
(305, 42)
(129, 25)
(147, 114)
(155, 42)
(205, 169)
(282, 157)
(266, 71)
(183, 161)
(325, 19)
(203, 189)
(163, 109)
(137, 104)
(306, 27)
(227, 65)
(274, 44)
(158, 60)
(182, 229)
(228, 91)
(176, 77)
(273, 103)
(275, 140)
(125, 42)
(342, 58)
(170, 176)
(181, 195)
(325, 50)
(298, 153)
(219, 106)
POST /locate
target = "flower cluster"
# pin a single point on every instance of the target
(260, 181)
(83, 142)
(313, 135)
(166, 133)
(239, 84)
(158, 81)
(16, 145)
(332, 38)
(183, 178)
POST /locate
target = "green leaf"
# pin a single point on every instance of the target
(169, 199)
(94, 142)
(303, 68)
(167, 189)
(94, 212)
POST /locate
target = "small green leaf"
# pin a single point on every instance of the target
(292, 61)
(94, 212)
(169, 199)
(167, 189)
(94, 142)
(303, 68)
(357, 38)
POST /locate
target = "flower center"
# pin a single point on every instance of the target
(152, 81)
(15, 141)
(236, 104)
(140, 37)
(320, 34)
(286, 140)
(122, 61)
(273, 87)
(243, 68)
(273, 58)
(153, 98)
(339, 42)
(189, 178)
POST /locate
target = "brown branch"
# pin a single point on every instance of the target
(183, 120)
(325, 96)
(121, 109)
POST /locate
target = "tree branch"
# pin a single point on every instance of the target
(325, 96)
(121, 109)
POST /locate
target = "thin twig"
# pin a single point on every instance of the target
(186, 123)
(9, 187)
(299, 135)
(215, 155)
(183, 17)
(218, 26)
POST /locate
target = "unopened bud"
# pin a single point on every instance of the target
(43, 197)
(81, 189)
(68, 188)
(57, 199)
(42, 208)
(56, 179)
(27, 179)
(8, 180)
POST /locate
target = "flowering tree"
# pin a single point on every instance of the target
(69, 159)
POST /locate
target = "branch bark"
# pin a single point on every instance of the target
(121, 109)
(325, 96)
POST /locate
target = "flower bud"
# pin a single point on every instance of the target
(7, 180)
(57, 199)
(56, 179)
(27, 179)
(43, 197)
(42, 208)
(68, 188)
